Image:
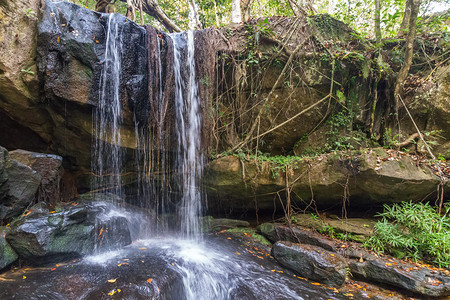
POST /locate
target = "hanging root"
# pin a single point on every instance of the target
(443, 178)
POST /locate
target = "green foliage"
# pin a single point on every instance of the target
(30, 13)
(329, 230)
(341, 135)
(414, 230)
(390, 141)
(278, 163)
(250, 233)
(27, 71)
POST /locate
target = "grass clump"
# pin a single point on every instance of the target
(414, 230)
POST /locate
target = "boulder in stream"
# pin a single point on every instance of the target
(409, 277)
(7, 254)
(277, 232)
(211, 224)
(311, 262)
(71, 231)
(18, 186)
(48, 166)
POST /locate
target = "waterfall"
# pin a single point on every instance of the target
(107, 155)
(189, 159)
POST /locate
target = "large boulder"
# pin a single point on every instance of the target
(211, 224)
(311, 262)
(18, 186)
(409, 277)
(7, 254)
(277, 232)
(368, 177)
(49, 167)
(70, 231)
(430, 108)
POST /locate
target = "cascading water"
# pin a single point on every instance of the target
(189, 160)
(169, 175)
(107, 153)
(168, 163)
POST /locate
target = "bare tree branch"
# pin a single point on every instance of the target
(152, 8)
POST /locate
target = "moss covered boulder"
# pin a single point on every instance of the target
(311, 262)
(7, 254)
(70, 231)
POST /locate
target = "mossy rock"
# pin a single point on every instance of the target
(7, 253)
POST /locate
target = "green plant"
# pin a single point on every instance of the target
(390, 141)
(329, 230)
(30, 13)
(441, 157)
(415, 230)
(27, 71)
(314, 216)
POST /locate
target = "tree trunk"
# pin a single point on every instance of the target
(245, 9)
(378, 21)
(404, 26)
(403, 73)
(217, 14)
(196, 24)
(236, 17)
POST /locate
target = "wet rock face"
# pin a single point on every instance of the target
(18, 186)
(73, 231)
(7, 254)
(311, 262)
(70, 54)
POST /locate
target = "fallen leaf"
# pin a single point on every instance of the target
(315, 283)
(53, 269)
(119, 265)
(23, 277)
(142, 248)
(237, 253)
(149, 280)
(112, 280)
(52, 212)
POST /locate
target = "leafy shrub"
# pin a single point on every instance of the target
(415, 230)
